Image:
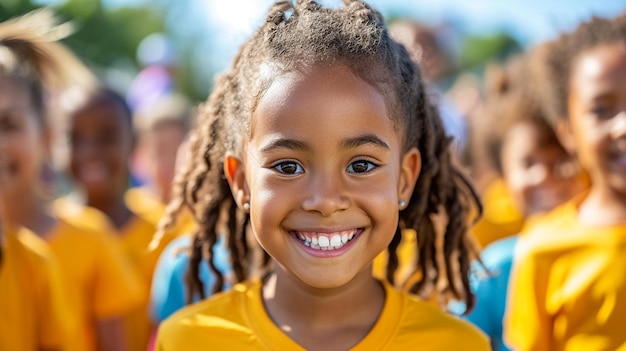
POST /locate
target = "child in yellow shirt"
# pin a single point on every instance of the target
(101, 142)
(538, 173)
(161, 127)
(98, 282)
(315, 149)
(568, 290)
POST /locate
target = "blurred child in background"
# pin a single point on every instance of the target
(161, 127)
(537, 171)
(568, 287)
(99, 285)
(101, 142)
(426, 49)
(502, 217)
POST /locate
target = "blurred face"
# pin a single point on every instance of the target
(22, 144)
(100, 145)
(324, 170)
(539, 175)
(422, 45)
(597, 114)
(160, 146)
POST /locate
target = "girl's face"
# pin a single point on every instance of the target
(597, 114)
(100, 144)
(539, 175)
(22, 143)
(323, 171)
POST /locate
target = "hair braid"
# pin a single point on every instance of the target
(392, 261)
(234, 243)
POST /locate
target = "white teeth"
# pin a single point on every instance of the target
(326, 241)
(323, 242)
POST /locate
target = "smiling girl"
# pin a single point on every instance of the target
(321, 144)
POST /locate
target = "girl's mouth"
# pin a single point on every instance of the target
(326, 241)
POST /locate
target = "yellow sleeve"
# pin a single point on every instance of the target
(117, 289)
(528, 324)
(55, 324)
(38, 269)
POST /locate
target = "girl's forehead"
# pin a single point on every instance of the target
(328, 103)
(595, 61)
(305, 86)
(598, 71)
(13, 93)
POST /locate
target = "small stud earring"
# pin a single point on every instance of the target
(246, 206)
(401, 203)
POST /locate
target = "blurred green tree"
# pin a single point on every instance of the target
(107, 38)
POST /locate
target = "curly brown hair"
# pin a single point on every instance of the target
(301, 35)
(510, 101)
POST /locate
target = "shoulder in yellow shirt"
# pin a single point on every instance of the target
(237, 320)
(100, 282)
(32, 305)
(568, 287)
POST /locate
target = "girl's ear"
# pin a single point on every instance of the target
(409, 172)
(564, 134)
(236, 176)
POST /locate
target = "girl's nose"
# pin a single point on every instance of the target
(326, 195)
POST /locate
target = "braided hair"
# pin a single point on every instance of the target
(301, 35)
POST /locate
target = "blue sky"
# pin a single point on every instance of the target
(217, 27)
(529, 21)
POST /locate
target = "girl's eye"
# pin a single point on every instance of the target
(7, 125)
(288, 167)
(602, 111)
(361, 166)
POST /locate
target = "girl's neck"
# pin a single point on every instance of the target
(114, 207)
(341, 317)
(603, 206)
(30, 211)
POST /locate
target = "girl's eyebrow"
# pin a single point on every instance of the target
(367, 139)
(281, 143)
(350, 143)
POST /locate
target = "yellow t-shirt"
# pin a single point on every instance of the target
(136, 237)
(100, 283)
(406, 258)
(500, 217)
(143, 203)
(568, 286)
(237, 320)
(32, 305)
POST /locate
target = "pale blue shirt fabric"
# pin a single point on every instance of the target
(490, 289)
(169, 292)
